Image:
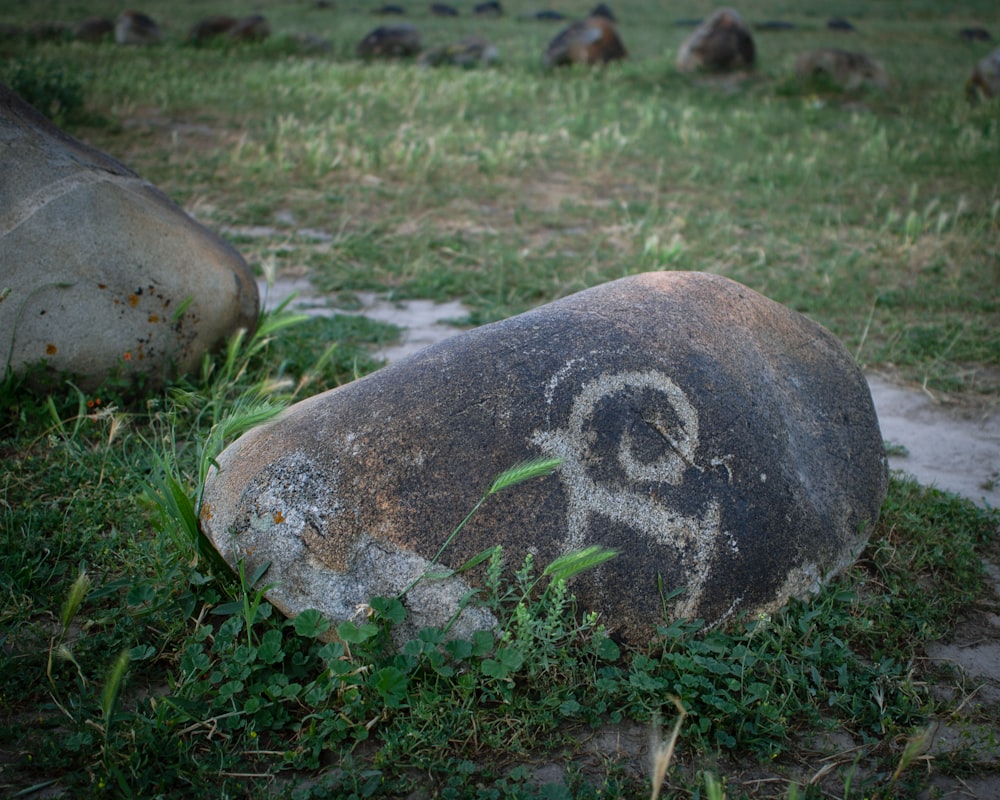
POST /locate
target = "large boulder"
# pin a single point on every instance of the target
(722, 43)
(101, 274)
(725, 445)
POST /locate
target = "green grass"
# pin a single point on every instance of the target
(162, 673)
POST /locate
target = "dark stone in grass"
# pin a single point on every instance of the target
(471, 51)
(94, 30)
(984, 83)
(544, 16)
(443, 10)
(390, 10)
(136, 28)
(840, 24)
(49, 32)
(725, 445)
(253, 28)
(842, 68)
(591, 41)
(102, 274)
(721, 43)
(10, 32)
(975, 35)
(390, 41)
(210, 28)
(603, 10)
(774, 25)
(488, 8)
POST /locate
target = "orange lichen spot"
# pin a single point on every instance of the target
(51, 349)
(206, 511)
(128, 355)
(133, 300)
(154, 318)
(278, 517)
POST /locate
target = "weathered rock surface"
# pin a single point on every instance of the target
(100, 273)
(136, 28)
(847, 69)
(984, 83)
(594, 40)
(390, 41)
(470, 51)
(716, 439)
(722, 43)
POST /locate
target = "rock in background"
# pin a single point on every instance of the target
(591, 41)
(101, 274)
(846, 69)
(722, 443)
(984, 83)
(721, 43)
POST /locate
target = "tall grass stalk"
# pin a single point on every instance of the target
(662, 753)
(525, 471)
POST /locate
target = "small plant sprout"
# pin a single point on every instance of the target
(58, 648)
(525, 471)
(916, 746)
(109, 695)
(74, 599)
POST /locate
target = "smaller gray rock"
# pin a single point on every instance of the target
(94, 30)
(210, 28)
(722, 43)
(984, 83)
(254, 28)
(840, 24)
(443, 10)
(50, 31)
(488, 8)
(136, 28)
(843, 68)
(975, 34)
(592, 41)
(390, 41)
(472, 51)
(100, 274)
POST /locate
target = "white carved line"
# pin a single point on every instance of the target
(694, 538)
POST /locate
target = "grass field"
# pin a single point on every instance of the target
(133, 666)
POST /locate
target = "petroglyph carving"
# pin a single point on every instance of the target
(694, 538)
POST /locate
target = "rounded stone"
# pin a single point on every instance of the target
(721, 43)
(100, 273)
(725, 446)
